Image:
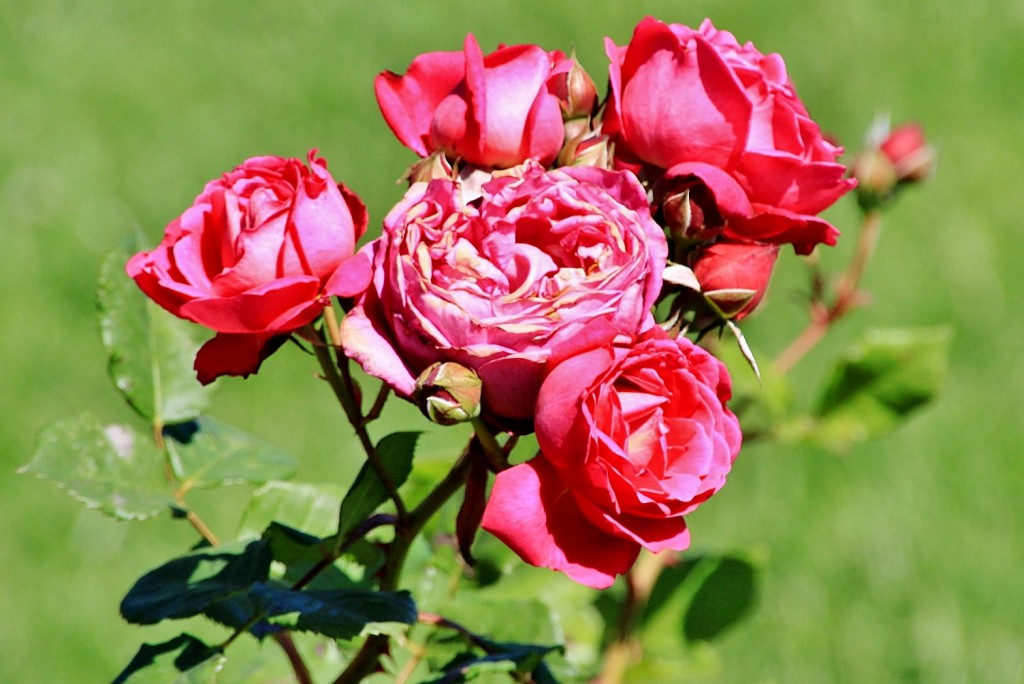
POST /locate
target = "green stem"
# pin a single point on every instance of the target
(366, 660)
(343, 391)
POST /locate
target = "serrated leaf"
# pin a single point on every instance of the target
(395, 454)
(499, 658)
(188, 585)
(337, 613)
(181, 660)
(151, 351)
(298, 553)
(111, 468)
(207, 453)
(307, 507)
(885, 376)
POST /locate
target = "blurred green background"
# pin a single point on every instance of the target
(897, 562)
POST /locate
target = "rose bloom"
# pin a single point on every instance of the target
(493, 283)
(496, 110)
(696, 103)
(255, 257)
(631, 440)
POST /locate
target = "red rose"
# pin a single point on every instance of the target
(492, 283)
(631, 440)
(496, 110)
(685, 101)
(735, 275)
(256, 256)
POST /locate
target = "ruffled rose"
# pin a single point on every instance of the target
(256, 256)
(495, 110)
(631, 440)
(691, 102)
(494, 282)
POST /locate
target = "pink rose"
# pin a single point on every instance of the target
(492, 283)
(496, 110)
(683, 101)
(631, 440)
(255, 257)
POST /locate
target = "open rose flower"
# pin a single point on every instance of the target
(256, 256)
(697, 104)
(493, 283)
(631, 440)
(495, 110)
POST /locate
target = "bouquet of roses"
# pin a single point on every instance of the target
(561, 265)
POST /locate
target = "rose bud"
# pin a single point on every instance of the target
(574, 88)
(735, 275)
(912, 158)
(448, 393)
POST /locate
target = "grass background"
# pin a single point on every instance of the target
(898, 562)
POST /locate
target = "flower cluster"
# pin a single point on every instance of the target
(515, 283)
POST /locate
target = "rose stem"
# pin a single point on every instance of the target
(639, 582)
(365, 661)
(343, 392)
(847, 296)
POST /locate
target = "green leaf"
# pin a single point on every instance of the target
(299, 553)
(696, 600)
(885, 376)
(207, 453)
(151, 351)
(499, 658)
(337, 613)
(182, 660)
(111, 468)
(307, 507)
(395, 453)
(189, 585)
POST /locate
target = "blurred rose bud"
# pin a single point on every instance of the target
(734, 275)
(912, 158)
(892, 159)
(574, 89)
(448, 393)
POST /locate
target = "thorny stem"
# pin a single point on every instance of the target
(366, 660)
(847, 296)
(343, 390)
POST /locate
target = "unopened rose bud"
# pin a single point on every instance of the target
(592, 151)
(912, 158)
(688, 209)
(893, 159)
(575, 90)
(734, 275)
(448, 393)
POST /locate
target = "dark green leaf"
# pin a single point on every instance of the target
(189, 585)
(499, 658)
(182, 660)
(395, 453)
(696, 600)
(111, 468)
(300, 553)
(881, 379)
(337, 613)
(207, 453)
(151, 351)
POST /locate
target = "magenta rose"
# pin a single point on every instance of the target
(696, 103)
(255, 257)
(494, 282)
(631, 440)
(495, 110)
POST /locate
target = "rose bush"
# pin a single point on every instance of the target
(256, 256)
(494, 282)
(496, 110)
(691, 102)
(631, 440)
